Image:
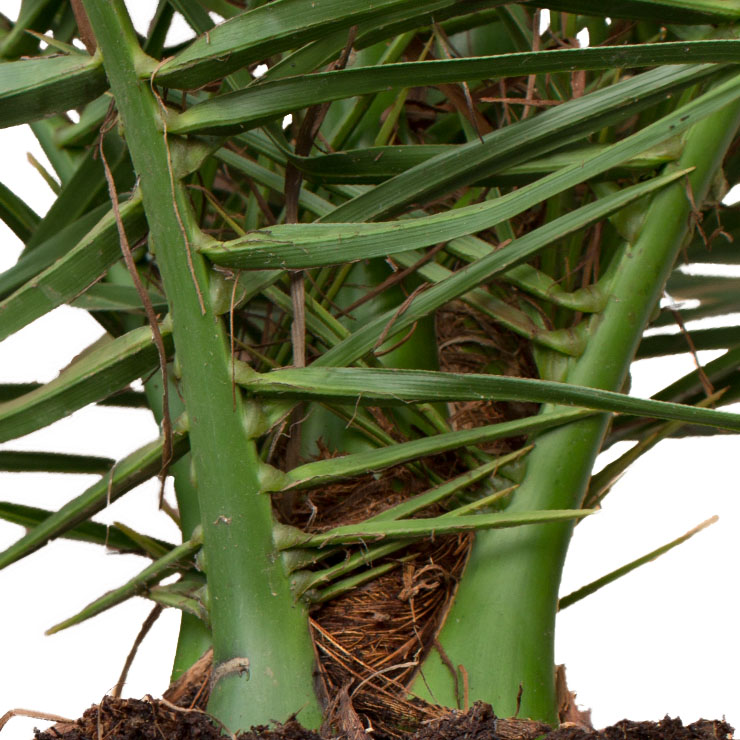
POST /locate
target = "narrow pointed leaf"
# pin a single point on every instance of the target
(87, 188)
(64, 161)
(663, 11)
(53, 462)
(155, 572)
(323, 471)
(109, 297)
(349, 584)
(437, 526)
(95, 533)
(658, 345)
(461, 282)
(91, 378)
(306, 199)
(716, 305)
(34, 88)
(125, 398)
(128, 473)
(34, 15)
(297, 246)
(147, 544)
(263, 102)
(377, 164)
(407, 508)
(367, 554)
(594, 586)
(195, 14)
(185, 595)
(544, 133)
(262, 32)
(32, 263)
(721, 372)
(570, 342)
(71, 275)
(391, 387)
(683, 287)
(91, 120)
(20, 218)
(601, 483)
(439, 493)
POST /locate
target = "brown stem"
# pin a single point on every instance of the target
(83, 26)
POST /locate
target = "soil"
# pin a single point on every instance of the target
(152, 719)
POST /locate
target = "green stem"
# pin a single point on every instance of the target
(263, 657)
(508, 595)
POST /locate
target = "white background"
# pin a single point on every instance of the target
(661, 641)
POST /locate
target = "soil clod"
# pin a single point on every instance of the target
(152, 719)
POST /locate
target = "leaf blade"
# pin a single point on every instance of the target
(393, 386)
(128, 473)
(263, 102)
(91, 378)
(35, 88)
(301, 246)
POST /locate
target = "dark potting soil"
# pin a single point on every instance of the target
(152, 719)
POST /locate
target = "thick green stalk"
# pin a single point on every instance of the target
(263, 657)
(508, 594)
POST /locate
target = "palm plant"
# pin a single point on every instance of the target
(385, 342)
